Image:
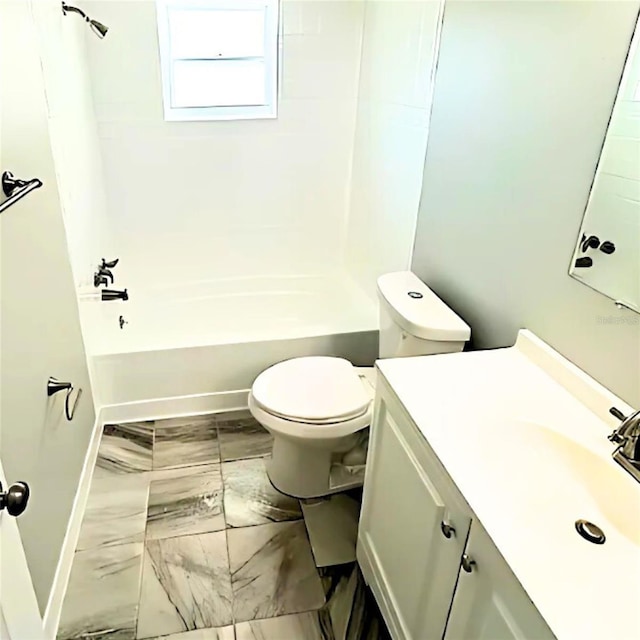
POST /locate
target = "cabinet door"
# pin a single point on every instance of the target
(490, 603)
(409, 563)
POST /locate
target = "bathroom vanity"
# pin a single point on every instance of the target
(480, 464)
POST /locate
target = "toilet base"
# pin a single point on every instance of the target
(308, 471)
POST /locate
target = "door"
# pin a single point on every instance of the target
(406, 552)
(490, 603)
(19, 613)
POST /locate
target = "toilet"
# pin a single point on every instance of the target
(319, 408)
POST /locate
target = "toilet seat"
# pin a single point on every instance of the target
(309, 431)
(314, 390)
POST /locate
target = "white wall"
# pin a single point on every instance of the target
(74, 136)
(398, 61)
(202, 200)
(523, 95)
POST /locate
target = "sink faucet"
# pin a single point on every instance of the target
(627, 437)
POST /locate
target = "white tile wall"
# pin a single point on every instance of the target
(74, 137)
(192, 201)
(398, 58)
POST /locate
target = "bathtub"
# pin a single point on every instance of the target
(215, 337)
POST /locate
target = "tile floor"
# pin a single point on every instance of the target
(184, 538)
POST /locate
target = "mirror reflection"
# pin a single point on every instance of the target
(607, 254)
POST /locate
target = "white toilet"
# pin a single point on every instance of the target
(318, 408)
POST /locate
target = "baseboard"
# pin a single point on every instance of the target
(52, 613)
(175, 407)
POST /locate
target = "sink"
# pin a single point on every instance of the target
(597, 477)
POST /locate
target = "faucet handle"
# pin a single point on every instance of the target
(107, 273)
(109, 265)
(99, 280)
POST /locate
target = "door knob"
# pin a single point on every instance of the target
(448, 531)
(15, 499)
(468, 563)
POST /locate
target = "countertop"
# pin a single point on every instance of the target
(523, 434)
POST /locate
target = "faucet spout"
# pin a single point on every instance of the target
(112, 294)
(627, 437)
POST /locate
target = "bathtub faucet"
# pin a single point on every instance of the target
(102, 276)
(112, 294)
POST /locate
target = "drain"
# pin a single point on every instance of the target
(591, 532)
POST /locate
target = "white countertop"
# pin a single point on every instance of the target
(518, 432)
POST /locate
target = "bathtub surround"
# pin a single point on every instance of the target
(175, 560)
(498, 250)
(268, 196)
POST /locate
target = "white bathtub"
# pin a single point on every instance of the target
(213, 337)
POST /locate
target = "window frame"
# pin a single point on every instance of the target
(271, 55)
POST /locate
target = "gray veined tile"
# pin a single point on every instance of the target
(102, 596)
(299, 626)
(116, 510)
(242, 436)
(181, 442)
(185, 585)
(249, 497)
(126, 448)
(185, 501)
(222, 633)
(272, 571)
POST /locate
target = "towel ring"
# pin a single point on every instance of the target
(54, 386)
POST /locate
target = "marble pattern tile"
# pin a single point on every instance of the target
(185, 585)
(250, 499)
(181, 442)
(272, 571)
(116, 510)
(300, 626)
(102, 596)
(242, 436)
(126, 448)
(222, 633)
(185, 501)
(351, 611)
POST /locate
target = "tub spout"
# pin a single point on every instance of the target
(112, 294)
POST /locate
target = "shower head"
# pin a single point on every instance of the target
(97, 27)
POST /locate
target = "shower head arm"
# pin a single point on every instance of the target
(68, 8)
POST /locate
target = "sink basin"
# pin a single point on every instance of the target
(588, 477)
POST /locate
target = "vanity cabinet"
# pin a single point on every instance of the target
(415, 529)
(489, 602)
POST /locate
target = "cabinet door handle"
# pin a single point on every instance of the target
(468, 563)
(448, 531)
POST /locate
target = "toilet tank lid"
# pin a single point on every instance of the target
(418, 310)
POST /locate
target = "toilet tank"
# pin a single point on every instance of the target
(414, 321)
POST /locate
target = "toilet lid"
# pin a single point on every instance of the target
(313, 389)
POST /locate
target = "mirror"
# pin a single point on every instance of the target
(607, 254)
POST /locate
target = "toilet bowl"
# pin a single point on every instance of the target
(319, 408)
(315, 407)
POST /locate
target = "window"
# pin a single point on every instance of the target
(219, 58)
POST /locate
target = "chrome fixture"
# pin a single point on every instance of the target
(14, 188)
(102, 276)
(627, 437)
(97, 27)
(55, 386)
(109, 265)
(112, 294)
